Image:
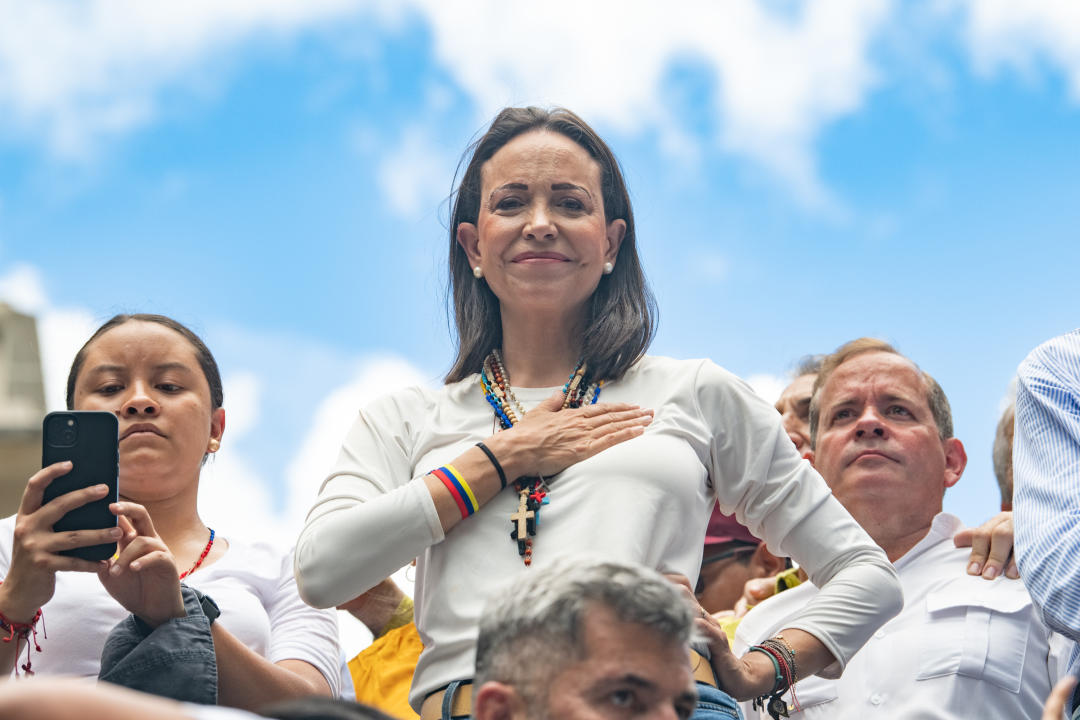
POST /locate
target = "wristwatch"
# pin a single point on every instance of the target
(209, 607)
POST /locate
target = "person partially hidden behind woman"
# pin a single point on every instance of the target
(515, 461)
(164, 386)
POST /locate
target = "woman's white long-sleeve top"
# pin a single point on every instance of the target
(646, 500)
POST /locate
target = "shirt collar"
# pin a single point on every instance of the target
(943, 526)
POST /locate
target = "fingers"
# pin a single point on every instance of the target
(141, 552)
(717, 640)
(71, 539)
(137, 517)
(615, 434)
(553, 403)
(991, 547)
(680, 580)
(1001, 546)
(600, 409)
(1059, 696)
(35, 487)
(755, 591)
(63, 504)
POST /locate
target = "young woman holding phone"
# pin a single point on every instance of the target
(163, 384)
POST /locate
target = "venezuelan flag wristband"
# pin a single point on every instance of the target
(459, 489)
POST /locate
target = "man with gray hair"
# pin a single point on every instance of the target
(580, 640)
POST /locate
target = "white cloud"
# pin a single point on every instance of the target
(767, 386)
(76, 70)
(61, 332)
(711, 266)
(1020, 34)
(243, 403)
(332, 419)
(22, 288)
(235, 500)
(415, 174)
(73, 72)
(778, 77)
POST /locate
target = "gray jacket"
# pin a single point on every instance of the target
(174, 660)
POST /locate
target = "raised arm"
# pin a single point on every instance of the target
(759, 475)
(1046, 455)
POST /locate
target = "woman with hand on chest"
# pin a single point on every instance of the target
(555, 434)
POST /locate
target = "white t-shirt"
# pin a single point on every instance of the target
(646, 500)
(962, 647)
(252, 584)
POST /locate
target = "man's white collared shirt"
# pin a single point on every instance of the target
(962, 647)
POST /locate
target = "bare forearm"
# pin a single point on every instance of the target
(52, 699)
(249, 681)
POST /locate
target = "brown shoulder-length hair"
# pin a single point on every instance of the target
(622, 315)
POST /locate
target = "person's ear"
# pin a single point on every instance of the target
(616, 231)
(809, 456)
(217, 429)
(468, 237)
(497, 701)
(764, 564)
(955, 461)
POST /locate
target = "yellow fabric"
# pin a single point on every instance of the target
(788, 579)
(403, 615)
(382, 672)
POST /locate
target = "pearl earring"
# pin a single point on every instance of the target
(478, 272)
(608, 267)
(214, 445)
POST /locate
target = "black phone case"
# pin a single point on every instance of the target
(94, 457)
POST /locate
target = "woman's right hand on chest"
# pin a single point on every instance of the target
(35, 550)
(550, 439)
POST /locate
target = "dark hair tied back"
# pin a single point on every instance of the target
(622, 314)
(202, 354)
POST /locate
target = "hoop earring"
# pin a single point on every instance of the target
(478, 272)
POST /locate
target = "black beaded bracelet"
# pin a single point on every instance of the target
(491, 457)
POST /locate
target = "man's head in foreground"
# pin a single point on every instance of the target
(585, 639)
(881, 433)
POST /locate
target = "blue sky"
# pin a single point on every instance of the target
(274, 174)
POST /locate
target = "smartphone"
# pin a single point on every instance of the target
(89, 441)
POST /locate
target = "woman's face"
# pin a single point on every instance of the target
(541, 238)
(148, 375)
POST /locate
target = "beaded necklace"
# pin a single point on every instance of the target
(205, 552)
(532, 491)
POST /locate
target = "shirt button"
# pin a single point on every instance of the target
(876, 699)
(879, 634)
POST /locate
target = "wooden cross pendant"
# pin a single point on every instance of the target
(524, 522)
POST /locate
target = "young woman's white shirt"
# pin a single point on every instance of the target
(253, 584)
(646, 500)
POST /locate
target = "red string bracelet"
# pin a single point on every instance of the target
(23, 631)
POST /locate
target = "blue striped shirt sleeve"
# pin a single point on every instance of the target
(1046, 462)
